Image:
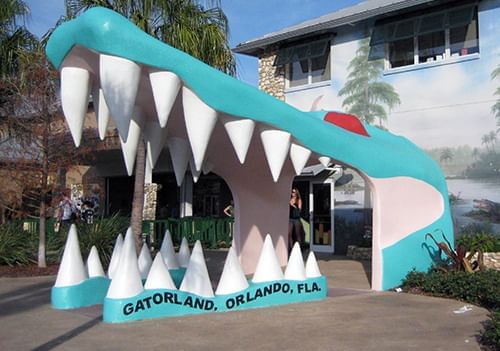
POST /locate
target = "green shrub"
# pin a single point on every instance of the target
(15, 244)
(101, 234)
(480, 288)
(484, 242)
(491, 333)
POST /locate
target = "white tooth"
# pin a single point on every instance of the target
(312, 269)
(276, 145)
(94, 265)
(184, 254)
(101, 111)
(115, 256)
(71, 271)
(179, 152)
(165, 86)
(299, 156)
(196, 174)
(129, 147)
(119, 82)
(207, 167)
(268, 266)
(168, 252)
(127, 279)
(200, 122)
(325, 161)
(232, 279)
(75, 88)
(240, 133)
(159, 277)
(196, 279)
(156, 139)
(144, 261)
(295, 269)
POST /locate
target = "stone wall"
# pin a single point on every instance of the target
(150, 193)
(359, 253)
(492, 260)
(271, 78)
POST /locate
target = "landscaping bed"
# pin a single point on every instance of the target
(28, 270)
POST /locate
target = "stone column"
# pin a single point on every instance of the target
(271, 78)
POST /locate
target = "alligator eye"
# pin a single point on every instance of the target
(347, 122)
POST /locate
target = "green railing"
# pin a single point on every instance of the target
(212, 232)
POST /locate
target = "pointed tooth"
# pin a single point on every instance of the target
(312, 269)
(295, 269)
(207, 167)
(127, 279)
(168, 252)
(129, 147)
(240, 133)
(179, 152)
(268, 266)
(156, 138)
(94, 265)
(232, 279)
(72, 270)
(115, 256)
(165, 86)
(119, 82)
(196, 279)
(159, 277)
(299, 156)
(184, 254)
(200, 122)
(144, 261)
(101, 111)
(325, 161)
(276, 145)
(196, 174)
(75, 88)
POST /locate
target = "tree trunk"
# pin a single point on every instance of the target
(138, 200)
(42, 263)
(43, 207)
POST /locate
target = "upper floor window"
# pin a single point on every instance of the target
(305, 64)
(433, 37)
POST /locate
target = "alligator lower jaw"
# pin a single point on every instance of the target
(156, 105)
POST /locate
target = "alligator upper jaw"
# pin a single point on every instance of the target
(145, 102)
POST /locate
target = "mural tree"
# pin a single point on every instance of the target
(495, 109)
(183, 24)
(365, 94)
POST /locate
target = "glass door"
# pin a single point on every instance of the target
(321, 216)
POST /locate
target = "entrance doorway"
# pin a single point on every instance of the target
(321, 215)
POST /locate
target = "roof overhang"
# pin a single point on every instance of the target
(372, 9)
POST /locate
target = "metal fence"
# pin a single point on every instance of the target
(212, 232)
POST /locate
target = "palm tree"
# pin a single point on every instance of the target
(13, 36)
(183, 24)
(446, 155)
(495, 109)
(365, 94)
(485, 140)
(493, 139)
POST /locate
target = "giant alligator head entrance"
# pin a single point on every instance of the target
(252, 140)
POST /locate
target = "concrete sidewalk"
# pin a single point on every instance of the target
(349, 319)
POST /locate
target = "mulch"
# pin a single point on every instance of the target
(30, 270)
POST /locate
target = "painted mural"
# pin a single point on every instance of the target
(450, 108)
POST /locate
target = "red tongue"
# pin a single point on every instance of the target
(346, 121)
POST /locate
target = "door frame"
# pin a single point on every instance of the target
(322, 248)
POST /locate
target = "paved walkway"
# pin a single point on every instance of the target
(351, 318)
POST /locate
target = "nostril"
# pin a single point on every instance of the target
(347, 122)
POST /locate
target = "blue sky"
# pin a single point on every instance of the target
(248, 19)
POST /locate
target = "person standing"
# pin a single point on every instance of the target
(294, 225)
(67, 210)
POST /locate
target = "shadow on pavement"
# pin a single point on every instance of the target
(68, 335)
(25, 298)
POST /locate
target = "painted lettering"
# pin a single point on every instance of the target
(128, 309)
(139, 306)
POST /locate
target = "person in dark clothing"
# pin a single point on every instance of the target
(294, 225)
